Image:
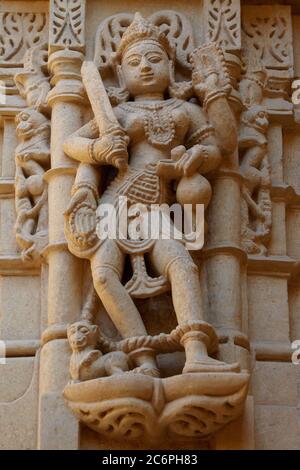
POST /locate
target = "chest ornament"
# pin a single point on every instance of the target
(158, 121)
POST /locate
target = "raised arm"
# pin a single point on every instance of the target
(211, 83)
(219, 113)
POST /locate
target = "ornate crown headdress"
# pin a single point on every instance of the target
(141, 29)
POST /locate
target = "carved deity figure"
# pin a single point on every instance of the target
(152, 140)
(32, 155)
(256, 213)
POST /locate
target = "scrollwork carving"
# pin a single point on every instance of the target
(174, 25)
(268, 37)
(152, 409)
(67, 24)
(222, 23)
(19, 32)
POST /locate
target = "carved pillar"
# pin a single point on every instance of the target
(267, 43)
(222, 24)
(64, 286)
(223, 251)
(7, 242)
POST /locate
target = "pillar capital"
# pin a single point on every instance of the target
(65, 65)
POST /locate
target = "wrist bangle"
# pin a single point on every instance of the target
(91, 150)
(86, 185)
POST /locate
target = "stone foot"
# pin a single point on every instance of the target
(145, 370)
(209, 365)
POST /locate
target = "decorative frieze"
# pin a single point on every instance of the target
(222, 23)
(19, 32)
(267, 37)
(67, 25)
(267, 46)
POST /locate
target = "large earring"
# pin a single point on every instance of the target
(118, 95)
(180, 90)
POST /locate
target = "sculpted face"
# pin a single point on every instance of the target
(28, 121)
(82, 334)
(145, 68)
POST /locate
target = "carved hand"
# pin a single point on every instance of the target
(82, 194)
(203, 87)
(24, 157)
(210, 85)
(111, 149)
(190, 160)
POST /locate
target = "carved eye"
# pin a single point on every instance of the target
(154, 59)
(84, 330)
(24, 117)
(261, 114)
(134, 62)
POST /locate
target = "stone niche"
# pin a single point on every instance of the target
(149, 342)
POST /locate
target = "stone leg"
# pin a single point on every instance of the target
(170, 258)
(107, 268)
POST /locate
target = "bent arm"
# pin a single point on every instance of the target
(202, 134)
(78, 145)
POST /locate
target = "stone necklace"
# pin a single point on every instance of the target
(159, 124)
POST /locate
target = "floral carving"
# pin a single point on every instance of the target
(222, 23)
(267, 36)
(19, 32)
(173, 24)
(67, 24)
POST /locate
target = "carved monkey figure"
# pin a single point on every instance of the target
(87, 362)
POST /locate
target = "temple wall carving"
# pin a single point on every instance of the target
(130, 342)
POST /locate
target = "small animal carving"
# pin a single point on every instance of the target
(87, 362)
(32, 160)
(33, 153)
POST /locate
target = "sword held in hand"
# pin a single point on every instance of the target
(103, 111)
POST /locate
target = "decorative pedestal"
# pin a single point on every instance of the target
(131, 406)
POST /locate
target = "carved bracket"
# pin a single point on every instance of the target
(139, 407)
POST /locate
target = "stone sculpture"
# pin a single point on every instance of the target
(32, 155)
(152, 141)
(256, 211)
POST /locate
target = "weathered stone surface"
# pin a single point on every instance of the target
(269, 388)
(16, 376)
(19, 416)
(18, 301)
(276, 427)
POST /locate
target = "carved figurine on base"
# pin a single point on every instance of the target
(151, 140)
(156, 149)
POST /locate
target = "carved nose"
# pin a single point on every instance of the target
(145, 65)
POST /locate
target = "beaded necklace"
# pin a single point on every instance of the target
(159, 124)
